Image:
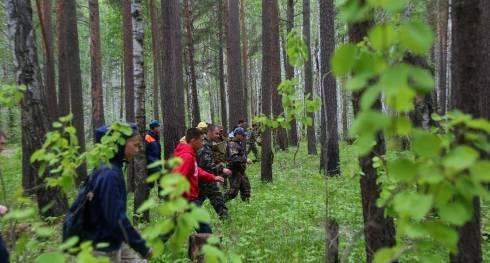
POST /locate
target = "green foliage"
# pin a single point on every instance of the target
(10, 95)
(429, 188)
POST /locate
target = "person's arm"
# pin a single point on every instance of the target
(152, 152)
(235, 159)
(205, 176)
(206, 162)
(111, 197)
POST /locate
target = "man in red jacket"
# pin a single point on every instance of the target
(189, 168)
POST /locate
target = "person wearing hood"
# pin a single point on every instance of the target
(105, 211)
(189, 169)
(153, 149)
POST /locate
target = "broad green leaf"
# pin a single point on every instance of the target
(386, 255)
(382, 37)
(344, 59)
(403, 170)
(455, 213)
(480, 124)
(370, 96)
(480, 171)
(368, 122)
(416, 36)
(443, 234)
(402, 100)
(358, 82)
(414, 205)
(51, 257)
(390, 5)
(422, 80)
(426, 144)
(460, 158)
(148, 204)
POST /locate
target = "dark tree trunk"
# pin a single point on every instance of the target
(195, 116)
(45, 12)
(128, 59)
(96, 69)
(281, 138)
(243, 31)
(171, 88)
(310, 131)
(332, 242)
(157, 59)
(442, 29)
(470, 48)
(379, 231)
(329, 159)
(267, 155)
(128, 77)
(64, 87)
(222, 91)
(293, 132)
(234, 61)
(34, 114)
(484, 77)
(141, 189)
(75, 78)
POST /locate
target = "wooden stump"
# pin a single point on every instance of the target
(196, 242)
(332, 242)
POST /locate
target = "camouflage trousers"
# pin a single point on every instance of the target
(211, 191)
(252, 147)
(239, 183)
(123, 255)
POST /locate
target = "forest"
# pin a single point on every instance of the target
(319, 130)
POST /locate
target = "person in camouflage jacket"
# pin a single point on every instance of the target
(237, 161)
(206, 160)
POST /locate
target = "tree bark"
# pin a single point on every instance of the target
(310, 131)
(141, 189)
(75, 78)
(379, 231)
(171, 88)
(289, 69)
(442, 29)
(128, 60)
(236, 95)
(329, 157)
(34, 114)
(332, 242)
(281, 138)
(243, 30)
(96, 69)
(49, 69)
(64, 88)
(470, 48)
(195, 116)
(221, 74)
(157, 59)
(267, 155)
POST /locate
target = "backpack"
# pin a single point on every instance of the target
(77, 220)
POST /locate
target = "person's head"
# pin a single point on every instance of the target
(202, 126)
(213, 132)
(129, 149)
(194, 137)
(3, 141)
(239, 134)
(155, 126)
(242, 124)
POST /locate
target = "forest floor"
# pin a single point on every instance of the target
(284, 220)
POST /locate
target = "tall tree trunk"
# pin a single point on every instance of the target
(157, 59)
(96, 69)
(236, 96)
(222, 91)
(442, 29)
(195, 116)
(45, 12)
(243, 30)
(128, 77)
(34, 114)
(171, 89)
(128, 59)
(379, 231)
(293, 132)
(75, 78)
(141, 188)
(310, 131)
(267, 155)
(64, 87)
(329, 157)
(485, 61)
(470, 48)
(281, 137)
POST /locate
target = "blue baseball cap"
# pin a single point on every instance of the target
(239, 131)
(154, 123)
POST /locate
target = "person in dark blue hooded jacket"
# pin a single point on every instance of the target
(108, 220)
(153, 148)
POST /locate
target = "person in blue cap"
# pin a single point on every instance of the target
(153, 148)
(237, 161)
(105, 218)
